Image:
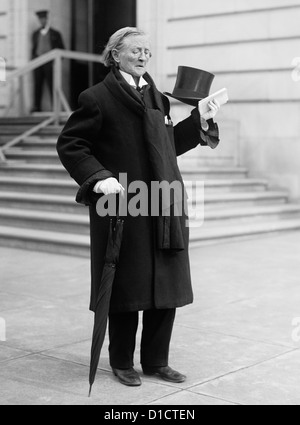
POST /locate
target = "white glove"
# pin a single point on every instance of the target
(214, 109)
(109, 186)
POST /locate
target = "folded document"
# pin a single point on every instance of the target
(221, 96)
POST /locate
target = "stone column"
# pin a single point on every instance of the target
(19, 43)
(152, 17)
(18, 48)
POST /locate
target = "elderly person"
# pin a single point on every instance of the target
(123, 126)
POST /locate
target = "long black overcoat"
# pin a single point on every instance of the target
(102, 139)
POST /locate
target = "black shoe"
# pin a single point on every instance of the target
(166, 373)
(128, 377)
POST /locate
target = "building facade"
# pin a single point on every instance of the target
(251, 47)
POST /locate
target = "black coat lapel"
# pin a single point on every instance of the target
(122, 92)
(130, 98)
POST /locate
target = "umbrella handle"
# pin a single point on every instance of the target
(121, 200)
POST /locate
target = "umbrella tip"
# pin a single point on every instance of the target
(90, 392)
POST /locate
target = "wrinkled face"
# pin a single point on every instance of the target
(134, 55)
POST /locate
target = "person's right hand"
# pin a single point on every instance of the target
(214, 107)
(109, 186)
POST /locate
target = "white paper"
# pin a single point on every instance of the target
(221, 96)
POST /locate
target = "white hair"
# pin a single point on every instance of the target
(116, 42)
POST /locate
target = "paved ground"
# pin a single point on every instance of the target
(235, 343)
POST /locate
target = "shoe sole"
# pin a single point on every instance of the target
(179, 381)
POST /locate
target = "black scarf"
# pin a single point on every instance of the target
(162, 155)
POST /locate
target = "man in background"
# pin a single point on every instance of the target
(44, 40)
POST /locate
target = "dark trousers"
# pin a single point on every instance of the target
(42, 75)
(155, 343)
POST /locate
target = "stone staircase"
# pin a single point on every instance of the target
(38, 211)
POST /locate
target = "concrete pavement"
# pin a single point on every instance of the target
(236, 343)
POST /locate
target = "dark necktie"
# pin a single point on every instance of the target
(140, 89)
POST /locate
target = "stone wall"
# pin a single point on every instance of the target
(250, 47)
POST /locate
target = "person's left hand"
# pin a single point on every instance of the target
(214, 109)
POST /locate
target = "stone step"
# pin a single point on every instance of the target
(67, 186)
(33, 119)
(39, 157)
(40, 202)
(18, 169)
(228, 161)
(43, 220)
(46, 153)
(32, 185)
(218, 172)
(226, 217)
(79, 245)
(79, 223)
(59, 203)
(200, 236)
(8, 133)
(17, 121)
(233, 185)
(44, 115)
(46, 156)
(47, 241)
(16, 130)
(33, 144)
(37, 140)
(228, 200)
(51, 131)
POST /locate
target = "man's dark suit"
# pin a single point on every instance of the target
(44, 73)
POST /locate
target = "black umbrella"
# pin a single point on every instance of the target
(104, 296)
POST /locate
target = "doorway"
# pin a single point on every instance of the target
(93, 22)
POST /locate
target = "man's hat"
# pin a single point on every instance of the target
(42, 13)
(192, 85)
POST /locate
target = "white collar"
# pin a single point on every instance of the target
(131, 82)
(44, 31)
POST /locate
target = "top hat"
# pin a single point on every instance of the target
(192, 85)
(42, 13)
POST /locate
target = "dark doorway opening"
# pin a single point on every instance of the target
(93, 22)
